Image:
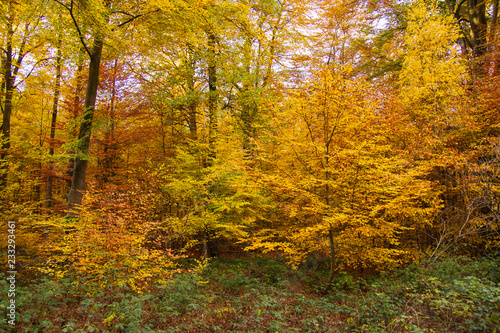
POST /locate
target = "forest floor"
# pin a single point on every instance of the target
(457, 294)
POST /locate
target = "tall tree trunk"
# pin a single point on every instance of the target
(208, 240)
(55, 103)
(247, 108)
(479, 28)
(109, 140)
(212, 97)
(192, 103)
(10, 69)
(327, 137)
(333, 256)
(494, 61)
(193, 125)
(331, 242)
(75, 111)
(81, 159)
(38, 170)
(7, 103)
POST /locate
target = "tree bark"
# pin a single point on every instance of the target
(212, 97)
(110, 148)
(55, 103)
(192, 101)
(248, 107)
(331, 242)
(478, 24)
(10, 69)
(81, 159)
(75, 110)
(333, 261)
(7, 103)
(494, 62)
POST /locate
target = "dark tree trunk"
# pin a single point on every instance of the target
(212, 96)
(333, 257)
(193, 126)
(75, 111)
(55, 103)
(110, 148)
(10, 69)
(248, 108)
(494, 61)
(81, 159)
(191, 107)
(7, 104)
(478, 24)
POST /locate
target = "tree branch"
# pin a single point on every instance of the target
(133, 17)
(80, 35)
(457, 10)
(21, 55)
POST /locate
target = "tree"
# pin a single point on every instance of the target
(55, 105)
(20, 24)
(100, 13)
(338, 182)
(263, 37)
(80, 167)
(432, 75)
(472, 16)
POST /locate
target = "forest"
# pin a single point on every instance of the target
(250, 166)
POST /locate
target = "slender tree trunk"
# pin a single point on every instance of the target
(272, 53)
(55, 103)
(212, 97)
(75, 111)
(7, 103)
(112, 143)
(109, 140)
(193, 125)
(81, 159)
(247, 118)
(192, 105)
(494, 61)
(247, 107)
(333, 255)
(206, 251)
(113, 101)
(10, 70)
(38, 171)
(331, 242)
(163, 133)
(212, 128)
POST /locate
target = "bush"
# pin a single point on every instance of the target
(455, 295)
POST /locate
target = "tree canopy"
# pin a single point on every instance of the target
(134, 132)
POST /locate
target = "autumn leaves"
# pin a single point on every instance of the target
(251, 124)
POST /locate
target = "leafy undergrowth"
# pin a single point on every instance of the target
(264, 295)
